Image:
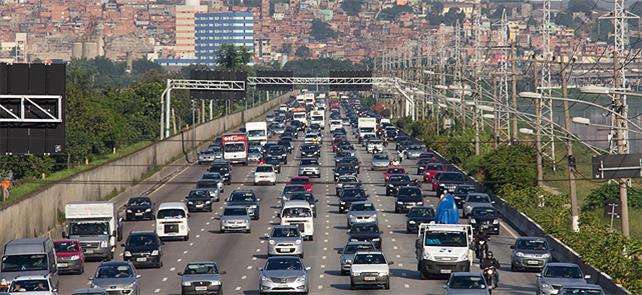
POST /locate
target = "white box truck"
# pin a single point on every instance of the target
(317, 117)
(256, 132)
(442, 249)
(366, 126)
(96, 225)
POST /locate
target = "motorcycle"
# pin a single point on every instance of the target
(490, 274)
(481, 248)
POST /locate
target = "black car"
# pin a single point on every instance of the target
(395, 181)
(461, 191)
(277, 151)
(287, 144)
(344, 170)
(353, 161)
(365, 232)
(421, 165)
(305, 196)
(408, 197)
(448, 180)
(223, 170)
(198, 200)
(310, 151)
(418, 215)
(139, 208)
(275, 162)
(143, 249)
(484, 218)
(245, 198)
(349, 195)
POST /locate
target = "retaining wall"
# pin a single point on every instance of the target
(40, 212)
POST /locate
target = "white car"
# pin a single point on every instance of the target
(370, 268)
(37, 284)
(265, 174)
(171, 221)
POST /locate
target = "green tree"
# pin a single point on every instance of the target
(509, 164)
(321, 31)
(609, 193)
(302, 52)
(584, 6)
(351, 7)
(392, 13)
(230, 57)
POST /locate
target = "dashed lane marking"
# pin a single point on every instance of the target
(319, 287)
(198, 236)
(321, 276)
(179, 260)
(237, 288)
(157, 291)
(258, 250)
(249, 267)
(406, 286)
(243, 277)
(164, 279)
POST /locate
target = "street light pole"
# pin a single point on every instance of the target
(538, 142)
(568, 124)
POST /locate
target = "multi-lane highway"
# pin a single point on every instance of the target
(240, 254)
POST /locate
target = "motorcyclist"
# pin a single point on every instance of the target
(481, 245)
(491, 262)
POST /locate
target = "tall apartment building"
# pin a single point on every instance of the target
(185, 27)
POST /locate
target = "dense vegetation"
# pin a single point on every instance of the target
(321, 31)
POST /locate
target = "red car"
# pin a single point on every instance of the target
(431, 169)
(69, 256)
(304, 180)
(393, 170)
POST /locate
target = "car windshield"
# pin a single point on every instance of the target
(284, 264)
(285, 232)
(415, 147)
(300, 180)
(140, 240)
(212, 176)
(242, 197)
(434, 167)
(484, 212)
(380, 157)
(234, 211)
(362, 207)
(409, 193)
(276, 149)
(445, 239)
(309, 148)
(255, 133)
(464, 189)
(114, 272)
(349, 178)
(207, 184)
(351, 249)
(478, 199)
(198, 194)
(466, 282)
(396, 171)
(399, 178)
(255, 150)
(422, 212)
(16, 263)
(66, 247)
(89, 229)
(366, 130)
(215, 148)
(309, 162)
(139, 202)
(369, 259)
(528, 244)
(581, 291)
(364, 228)
(200, 269)
(29, 285)
(354, 193)
(220, 170)
(207, 153)
(301, 197)
(171, 213)
(293, 188)
(296, 212)
(317, 118)
(265, 169)
(451, 177)
(234, 147)
(560, 271)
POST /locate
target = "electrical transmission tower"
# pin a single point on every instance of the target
(503, 117)
(546, 106)
(458, 76)
(478, 68)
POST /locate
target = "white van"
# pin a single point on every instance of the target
(171, 221)
(299, 213)
(335, 124)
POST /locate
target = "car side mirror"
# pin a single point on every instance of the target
(223, 272)
(391, 262)
(539, 275)
(493, 202)
(512, 246)
(258, 199)
(122, 245)
(444, 286)
(340, 251)
(65, 235)
(91, 278)
(179, 273)
(139, 276)
(54, 290)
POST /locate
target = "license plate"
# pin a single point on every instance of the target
(533, 262)
(200, 288)
(62, 264)
(141, 259)
(445, 271)
(199, 206)
(138, 213)
(88, 251)
(369, 278)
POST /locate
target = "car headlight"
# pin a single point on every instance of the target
(546, 286)
(253, 206)
(519, 254)
(383, 274)
(441, 185)
(473, 221)
(343, 203)
(190, 202)
(354, 240)
(376, 239)
(546, 255)
(75, 257)
(399, 203)
(463, 256)
(216, 283)
(104, 244)
(356, 274)
(186, 284)
(272, 242)
(129, 211)
(298, 242)
(412, 222)
(148, 210)
(132, 285)
(468, 207)
(207, 202)
(300, 279)
(265, 279)
(427, 256)
(496, 221)
(155, 253)
(350, 216)
(390, 185)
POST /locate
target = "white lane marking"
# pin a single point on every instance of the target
(157, 291)
(249, 267)
(262, 241)
(393, 239)
(121, 254)
(322, 265)
(386, 220)
(172, 269)
(243, 277)
(325, 248)
(509, 230)
(179, 260)
(398, 256)
(327, 234)
(323, 257)
(254, 258)
(191, 244)
(198, 236)
(395, 248)
(237, 288)
(321, 276)
(202, 229)
(325, 241)
(258, 250)
(406, 286)
(207, 223)
(164, 279)
(319, 287)
(388, 225)
(400, 264)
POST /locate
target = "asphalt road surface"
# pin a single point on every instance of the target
(240, 254)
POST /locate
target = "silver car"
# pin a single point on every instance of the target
(201, 277)
(206, 156)
(581, 289)
(283, 274)
(211, 186)
(475, 199)
(116, 276)
(89, 291)
(530, 253)
(215, 176)
(362, 211)
(380, 162)
(347, 254)
(235, 218)
(466, 283)
(285, 240)
(557, 274)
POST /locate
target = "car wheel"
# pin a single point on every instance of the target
(301, 255)
(387, 285)
(396, 209)
(222, 231)
(311, 238)
(248, 231)
(186, 238)
(352, 286)
(513, 268)
(344, 272)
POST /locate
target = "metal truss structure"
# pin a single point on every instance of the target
(30, 108)
(206, 85)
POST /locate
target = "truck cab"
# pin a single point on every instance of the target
(442, 249)
(235, 148)
(256, 132)
(28, 257)
(171, 221)
(96, 225)
(318, 117)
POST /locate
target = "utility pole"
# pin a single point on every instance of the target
(513, 74)
(538, 142)
(458, 81)
(568, 125)
(478, 66)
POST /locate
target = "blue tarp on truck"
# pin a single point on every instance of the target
(447, 212)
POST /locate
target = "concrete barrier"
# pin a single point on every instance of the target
(563, 253)
(42, 210)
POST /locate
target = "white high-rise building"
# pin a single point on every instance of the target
(185, 27)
